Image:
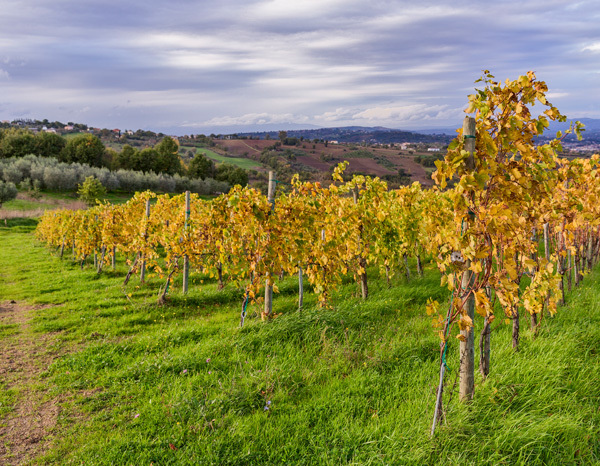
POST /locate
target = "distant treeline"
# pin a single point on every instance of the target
(355, 135)
(49, 173)
(87, 149)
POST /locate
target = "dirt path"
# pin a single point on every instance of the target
(23, 357)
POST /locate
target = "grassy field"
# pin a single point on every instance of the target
(246, 164)
(182, 384)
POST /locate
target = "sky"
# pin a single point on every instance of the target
(193, 67)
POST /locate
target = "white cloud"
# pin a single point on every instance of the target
(408, 113)
(595, 47)
(271, 61)
(252, 119)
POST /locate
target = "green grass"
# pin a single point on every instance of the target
(246, 164)
(23, 205)
(355, 384)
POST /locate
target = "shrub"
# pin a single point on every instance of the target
(91, 190)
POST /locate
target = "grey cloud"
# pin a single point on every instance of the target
(319, 61)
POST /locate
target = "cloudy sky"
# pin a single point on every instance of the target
(199, 65)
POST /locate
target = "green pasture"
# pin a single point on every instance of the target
(246, 164)
(183, 384)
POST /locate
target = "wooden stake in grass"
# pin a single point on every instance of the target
(268, 282)
(362, 261)
(515, 326)
(484, 348)
(534, 257)
(547, 255)
(143, 268)
(186, 261)
(467, 343)
(300, 288)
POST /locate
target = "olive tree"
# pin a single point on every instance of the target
(8, 191)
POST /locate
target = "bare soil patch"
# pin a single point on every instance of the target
(23, 357)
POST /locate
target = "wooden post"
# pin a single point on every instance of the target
(268, 282)
(484, 348)
(143, 268)
(590, 248)
(95, 252)
(516, 326)
(560, 246)
(467, 347)
(300, 288)
(547, 255)
(186, 261)
(114, 258)
(534, 256)
(569, 270)
(576, 265)
(362, 261)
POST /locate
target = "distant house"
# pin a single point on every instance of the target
(129, 132)
(433, 149)
(333, 142)
(69, 128)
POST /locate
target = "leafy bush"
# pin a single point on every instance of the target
(91, 190)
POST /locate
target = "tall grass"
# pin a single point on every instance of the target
(354, 384)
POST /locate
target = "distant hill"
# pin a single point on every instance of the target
(356, 135)
(592, 125)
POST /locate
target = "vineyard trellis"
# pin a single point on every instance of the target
(485, 232)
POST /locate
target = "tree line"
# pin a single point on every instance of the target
(86, 148)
